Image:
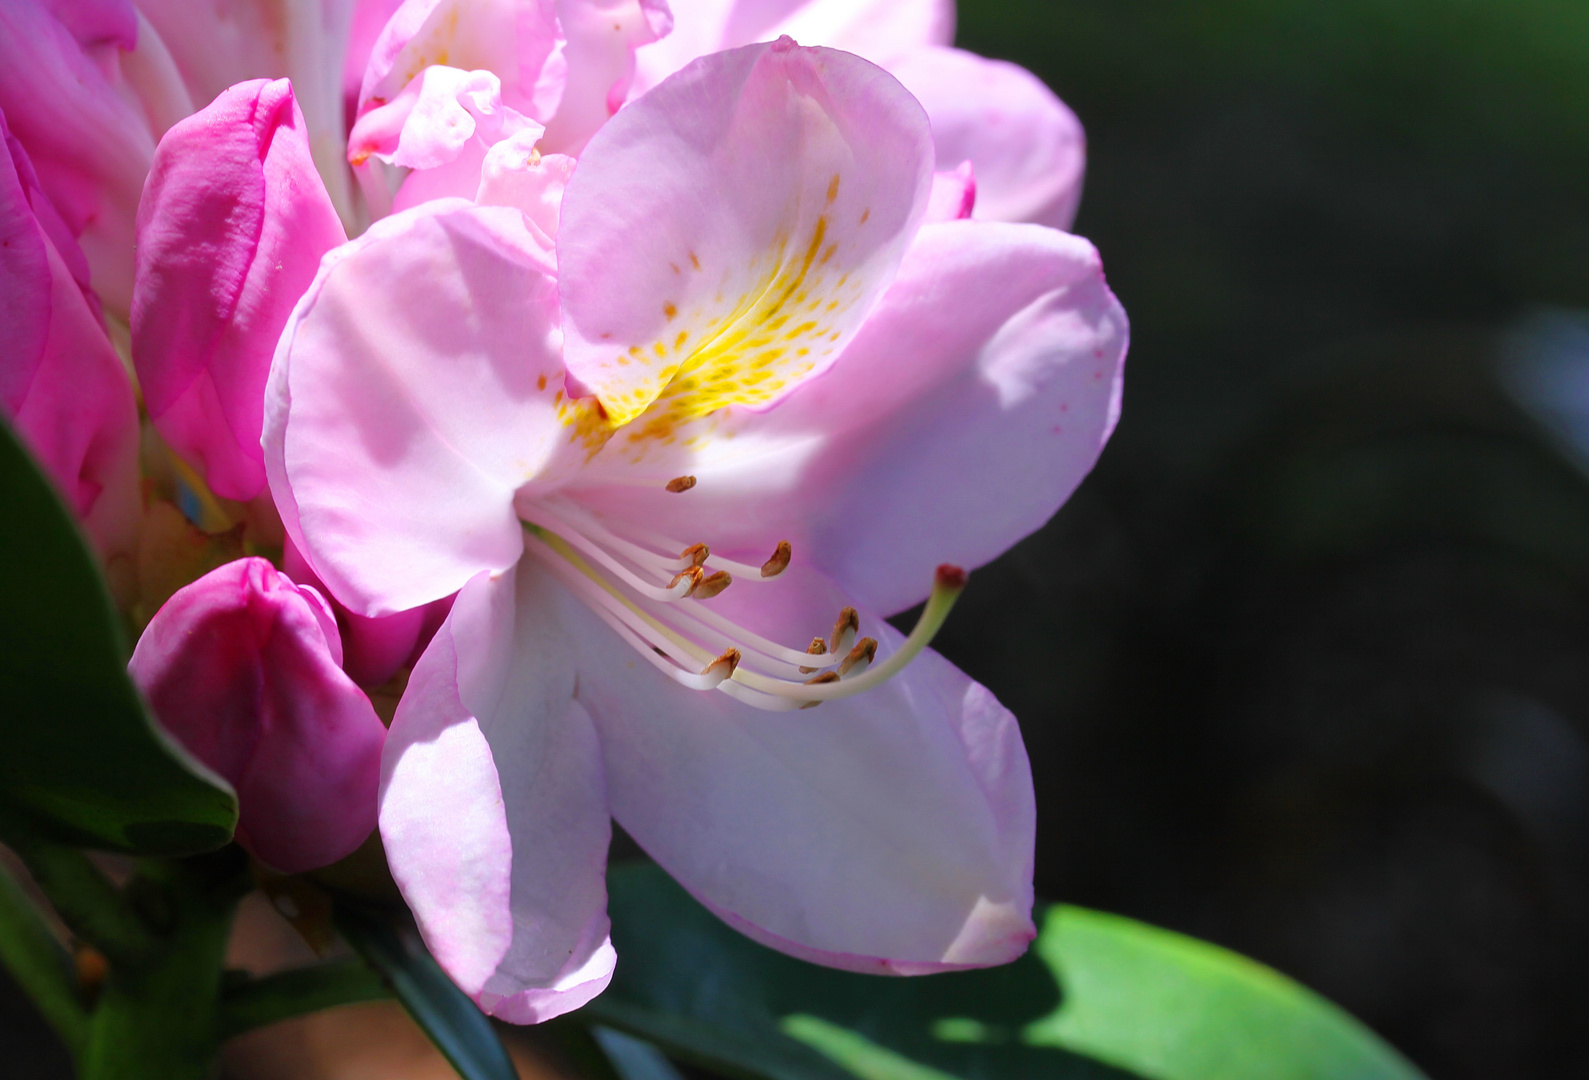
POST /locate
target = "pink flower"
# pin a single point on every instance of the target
(243, 667)
(744, 338)
(61, 382)
(231, 229)
(1027, 148)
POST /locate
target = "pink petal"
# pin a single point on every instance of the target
(879, 30)
(416, 388)
(241, 667)
(515, 174)
(957, 422)
(232, 226)
(954, 194)
(440, 111)
(372, 649)
(1026, 145)
(90, 144)
(738, 220)
(518, 40)
(602, 38)
(493, 807)
(61, 382)
(888, 833)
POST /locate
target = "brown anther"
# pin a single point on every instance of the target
(845, 627)
(681, 483)
(694, 573)
(91, 969)
(825, 677)
(710, 585)
(696, 553)
(864, 652)
(724, 665)
(779, 561)
(818, 647)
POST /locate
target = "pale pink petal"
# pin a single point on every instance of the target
(242, 667)
(879, 30)
(515, 174)
(416, 388)
(373, 649)
(493, 806)
(519, 40)
(737, 221)
(1026, 145)
(61, 382)
(954, 194)
(90, 144)
(888, 833)
(602, 38)
(231, 229)
(439, 112)
(957, 422)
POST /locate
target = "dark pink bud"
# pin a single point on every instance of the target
(244, 668)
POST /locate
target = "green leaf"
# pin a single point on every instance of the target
(1097, 997)
(82, 760)
(454, 1023)
(298, 992)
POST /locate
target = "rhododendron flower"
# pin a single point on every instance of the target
(244, 667)
(748, 402)
(61, 382)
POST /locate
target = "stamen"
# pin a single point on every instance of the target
(948, 584)
(693, 573)
(818, 647)
(566, 537)
(681, 483)
(845, 628)
(711, 585)
(723, 667)
(695, 554)
(860, 658)
(779, 561)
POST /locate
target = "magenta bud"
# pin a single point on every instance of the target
(243, 667)
(233, 222)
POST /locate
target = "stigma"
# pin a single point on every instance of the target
(654, 592)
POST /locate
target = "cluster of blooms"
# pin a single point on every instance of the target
(662, 347)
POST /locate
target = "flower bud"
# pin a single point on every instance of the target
(243, 667)
(231, 229)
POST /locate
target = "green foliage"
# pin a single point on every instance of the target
(82, 761)
(1097, 997)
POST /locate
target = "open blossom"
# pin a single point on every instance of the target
(679, 464)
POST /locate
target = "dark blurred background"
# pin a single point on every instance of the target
(1304, 666)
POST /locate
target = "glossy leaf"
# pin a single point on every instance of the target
(1098, 996)
(82, 760)
(454, 1023)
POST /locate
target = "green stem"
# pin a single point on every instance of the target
(39, 964)
(294, 993)
(86, 901)
(159, 1019)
